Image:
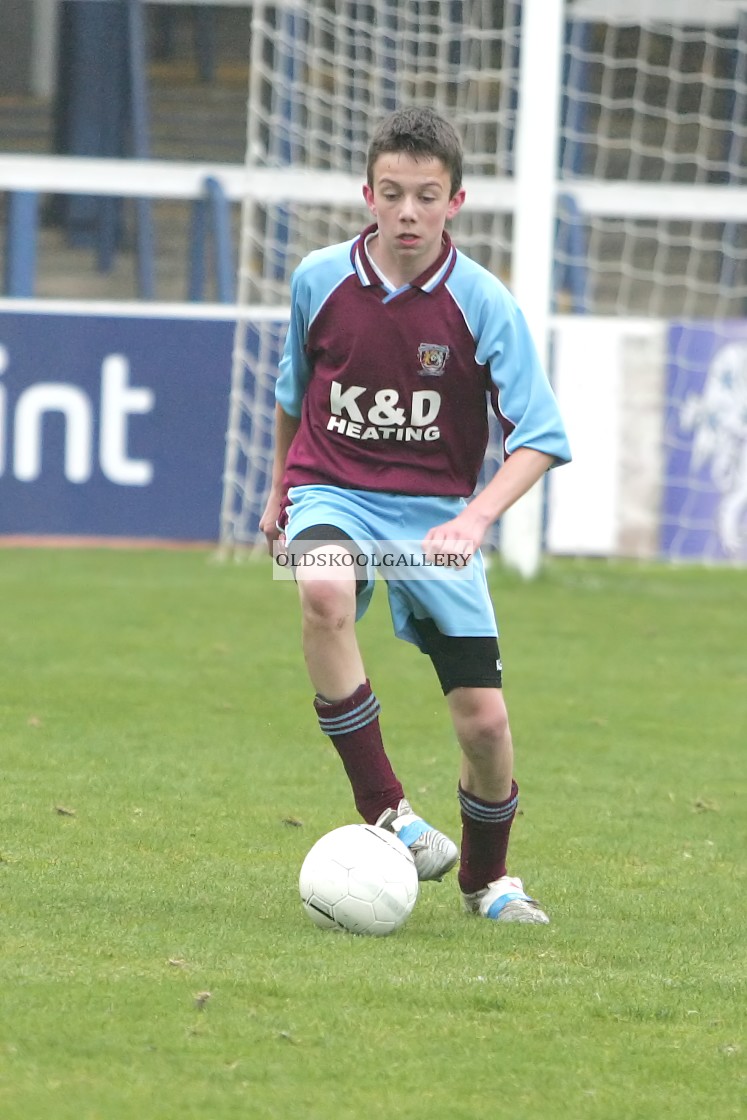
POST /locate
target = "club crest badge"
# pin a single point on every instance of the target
(432, 358)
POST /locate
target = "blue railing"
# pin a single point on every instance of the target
(116, 125)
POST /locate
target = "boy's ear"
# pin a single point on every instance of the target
(368, 194)
(456, 203)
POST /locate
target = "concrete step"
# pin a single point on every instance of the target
(190, 120)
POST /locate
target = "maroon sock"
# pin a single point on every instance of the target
(353, 726)
(486, 826)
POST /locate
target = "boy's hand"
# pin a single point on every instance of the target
(463, 534)
(519, 473)
(268, 523)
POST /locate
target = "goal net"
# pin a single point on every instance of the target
(653, 213)
(321, 77)
(650, 257)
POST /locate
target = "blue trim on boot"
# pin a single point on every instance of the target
(409, 833)
(497, 906)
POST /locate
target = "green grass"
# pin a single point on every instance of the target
(158, 738)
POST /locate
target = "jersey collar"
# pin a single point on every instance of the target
(369, 274)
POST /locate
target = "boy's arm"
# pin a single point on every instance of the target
(294, 374)
(521, 470)
(286, 427)
(522, 396)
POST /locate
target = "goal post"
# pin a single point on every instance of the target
(537, 145)
(605, 172)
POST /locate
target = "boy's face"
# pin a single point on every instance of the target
(411, 201)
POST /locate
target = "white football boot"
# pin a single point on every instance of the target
(505, 901)
(434, 854)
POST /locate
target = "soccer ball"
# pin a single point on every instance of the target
(359, 878)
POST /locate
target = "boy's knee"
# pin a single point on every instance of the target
(329, 602)
(480, 718)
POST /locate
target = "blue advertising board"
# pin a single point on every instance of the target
(704, 510)
(113, 426)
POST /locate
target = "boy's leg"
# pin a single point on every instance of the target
(470, 674)
(348, 713)
(488, 799)
(487, 792)
(347, 709)
(328, 614)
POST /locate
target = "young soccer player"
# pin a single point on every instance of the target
(396, 342)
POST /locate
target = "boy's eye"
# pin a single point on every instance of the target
(392, 196)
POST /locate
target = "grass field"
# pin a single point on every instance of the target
(163, 778)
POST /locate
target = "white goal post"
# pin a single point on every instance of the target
(606, 182)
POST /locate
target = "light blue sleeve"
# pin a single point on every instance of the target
(503, 344)
(295, 370)
(312, 284)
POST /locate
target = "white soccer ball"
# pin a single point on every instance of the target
(359, 878)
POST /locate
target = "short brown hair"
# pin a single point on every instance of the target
(422, 133)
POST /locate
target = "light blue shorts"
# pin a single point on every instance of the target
(460, 608)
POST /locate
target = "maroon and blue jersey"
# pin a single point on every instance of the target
(392, 385)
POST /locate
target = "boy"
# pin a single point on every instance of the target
(395, 340)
